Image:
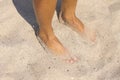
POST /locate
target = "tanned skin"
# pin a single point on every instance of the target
(44, 11)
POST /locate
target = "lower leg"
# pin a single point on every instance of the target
(68, 7)
(44, 10)
(68, 14)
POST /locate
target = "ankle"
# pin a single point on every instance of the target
(67, 16)
(46, 34)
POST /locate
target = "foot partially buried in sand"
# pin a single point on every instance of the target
(75, 24)
(54, 46)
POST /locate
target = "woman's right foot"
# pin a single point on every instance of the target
(55, 46)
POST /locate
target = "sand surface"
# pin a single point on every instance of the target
(23, 58)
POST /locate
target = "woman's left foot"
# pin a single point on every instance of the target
(78, 26)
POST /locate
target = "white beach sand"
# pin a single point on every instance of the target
(23, 58)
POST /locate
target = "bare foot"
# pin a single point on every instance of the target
(55, 46)
(74, 23)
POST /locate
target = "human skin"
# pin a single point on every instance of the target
(44, 11)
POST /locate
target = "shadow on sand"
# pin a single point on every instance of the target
(25, 9)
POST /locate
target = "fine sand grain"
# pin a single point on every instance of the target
(23, 58)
